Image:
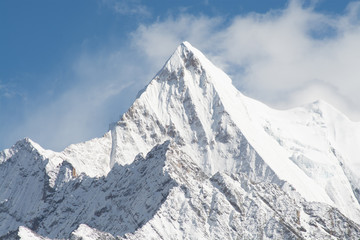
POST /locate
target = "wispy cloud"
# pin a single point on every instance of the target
(274, 56)
(8, 91)
(3, 90)
(104, 84)
(128, 7)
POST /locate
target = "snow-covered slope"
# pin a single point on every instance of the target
(195, 103)
(218, 165)
(167, 196)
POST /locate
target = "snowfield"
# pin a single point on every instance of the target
(192, 158)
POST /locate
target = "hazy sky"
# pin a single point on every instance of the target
(69, 68)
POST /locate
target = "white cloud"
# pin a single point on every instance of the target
(278, 57)
(158, 40)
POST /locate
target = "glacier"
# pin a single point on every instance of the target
(192, 158)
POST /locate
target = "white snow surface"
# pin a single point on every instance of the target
(311, 150)
(190, 94)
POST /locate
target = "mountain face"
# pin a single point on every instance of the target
(192, 158)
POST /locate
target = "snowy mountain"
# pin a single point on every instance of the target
(192, 158)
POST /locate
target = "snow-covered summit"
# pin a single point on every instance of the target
(190, 119)
(186, 57)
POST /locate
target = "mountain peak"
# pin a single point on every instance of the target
(326, 110)
(28, 143)
(183, 54)
(187, 57)
(179, 103)
(186, 44)
(188, 50)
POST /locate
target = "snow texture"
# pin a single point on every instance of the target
(192, 158)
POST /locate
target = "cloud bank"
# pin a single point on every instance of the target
(285, 57)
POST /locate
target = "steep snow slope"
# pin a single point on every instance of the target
(194, 102)
(228, 139)
(318, 137)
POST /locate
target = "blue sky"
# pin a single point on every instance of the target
(69, 68)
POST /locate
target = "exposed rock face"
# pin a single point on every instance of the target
(191, 159)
